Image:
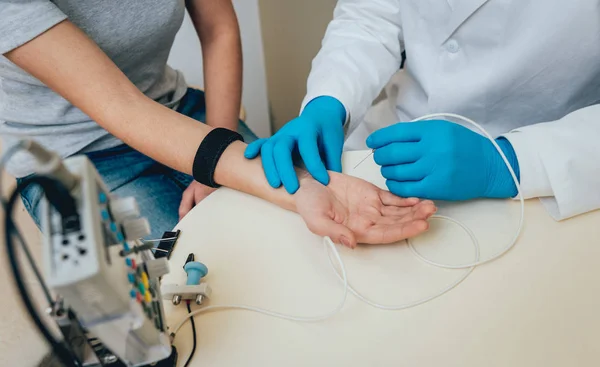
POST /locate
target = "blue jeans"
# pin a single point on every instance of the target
(127, 172)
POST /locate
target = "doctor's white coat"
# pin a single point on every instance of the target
(525, 69)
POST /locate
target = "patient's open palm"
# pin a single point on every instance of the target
(351, 211)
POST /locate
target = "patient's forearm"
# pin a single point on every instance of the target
(239, 173)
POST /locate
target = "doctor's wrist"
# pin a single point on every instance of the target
(325, 108)
(501, 183)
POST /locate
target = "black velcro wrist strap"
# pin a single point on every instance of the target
(209, 152)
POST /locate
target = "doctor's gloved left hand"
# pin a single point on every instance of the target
(317, 135)
(440, 160)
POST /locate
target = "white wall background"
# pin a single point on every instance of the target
(292, 32)
(186, 56)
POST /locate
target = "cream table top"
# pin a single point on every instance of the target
(538, 305)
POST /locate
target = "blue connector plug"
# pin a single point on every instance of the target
(195, 271)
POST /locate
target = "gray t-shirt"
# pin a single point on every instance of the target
(137, 35)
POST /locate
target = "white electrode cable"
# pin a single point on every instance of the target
(329, 245)
(428, 298)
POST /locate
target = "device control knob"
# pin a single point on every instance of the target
(124, 208)
(136, 228)
(195, 271)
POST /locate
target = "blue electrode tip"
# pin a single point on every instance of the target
(195, 271)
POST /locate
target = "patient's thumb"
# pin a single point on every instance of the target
(324, 225)
(340, 234)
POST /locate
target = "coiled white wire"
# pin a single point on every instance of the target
(343, 276)
(428, 298)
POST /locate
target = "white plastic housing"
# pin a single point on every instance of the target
(86, 269)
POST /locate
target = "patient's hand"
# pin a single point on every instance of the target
(351, 211)
(195, 193)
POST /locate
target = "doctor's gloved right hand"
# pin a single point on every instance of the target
(320, 128)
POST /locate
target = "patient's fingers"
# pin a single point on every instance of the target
(418, 212)
(395, 220)
(187, 203)
(424, 209)
(387, 198)
(421, 211)
(392, 211)
(385, 234)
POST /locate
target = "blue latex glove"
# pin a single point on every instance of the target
(319, 129)
(440, 160)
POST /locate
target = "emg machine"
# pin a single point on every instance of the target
(104, 279)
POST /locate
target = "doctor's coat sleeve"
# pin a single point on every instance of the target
(360, 52)
(560, 162)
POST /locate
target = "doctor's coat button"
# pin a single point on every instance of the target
(452, 46)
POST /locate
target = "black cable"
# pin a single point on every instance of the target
(55, 191)
(140, 248)
(22, 145)
(193, 335)
(32, 264)
(403, 59)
